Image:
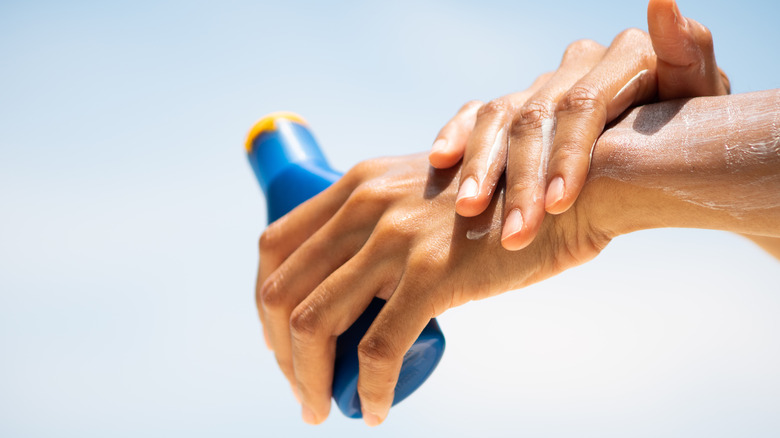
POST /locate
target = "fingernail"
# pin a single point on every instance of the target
(308, 415)
(468, 189)
(371, 419)
(439, 145)
(513, 224)
(678, 17)
(554, 192)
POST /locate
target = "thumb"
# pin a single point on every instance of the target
(686, 58)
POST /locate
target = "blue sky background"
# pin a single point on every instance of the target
(129, 220)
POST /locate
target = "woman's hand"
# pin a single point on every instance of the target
(387, 229)
(544, 136)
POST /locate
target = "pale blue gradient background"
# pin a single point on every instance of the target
(129, 222)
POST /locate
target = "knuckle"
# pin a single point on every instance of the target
(428, 260)
(470, 105)
(369, 193)
(544, 77)
(569, 152)
(522, 184)
(270, 238)
(397, 227)
(580, 99)
(356, 172)
(631, 35)
(580, 48)
(363, 170)
(531, 115)
(363, 167)
(704, 38)
(495, 108)
(271, 294)
(375, 352)
(305, 322)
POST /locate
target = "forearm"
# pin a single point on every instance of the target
(709, 162)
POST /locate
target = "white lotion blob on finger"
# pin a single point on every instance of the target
(548, 135)
(625, 96)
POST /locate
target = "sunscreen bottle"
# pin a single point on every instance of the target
(291, 168)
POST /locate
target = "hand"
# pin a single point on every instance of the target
(387, 230)
(544, 136)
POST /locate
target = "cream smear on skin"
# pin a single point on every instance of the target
(499, 145)
(483, 229)
(477, 233)
(548, 134)
(630, 85)
(715, 152)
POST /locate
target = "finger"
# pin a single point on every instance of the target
(686, 56)
(303, 270)
(530, 140)
(283, 236)
(622, 78)
(485, 155)
(484, 158)
(286, 234)
(382, 349)
(448, 148)
(258, 286)
(320, 318)
(726, 81)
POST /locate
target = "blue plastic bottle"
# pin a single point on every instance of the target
(291, 168)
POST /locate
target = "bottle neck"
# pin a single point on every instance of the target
(290, 143)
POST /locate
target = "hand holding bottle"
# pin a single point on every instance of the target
(387, 229)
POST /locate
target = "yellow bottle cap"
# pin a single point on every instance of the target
(268, 123)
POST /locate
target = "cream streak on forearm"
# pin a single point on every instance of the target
(721, 153)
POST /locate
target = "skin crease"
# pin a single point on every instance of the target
(592, 86)
(387, 229)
